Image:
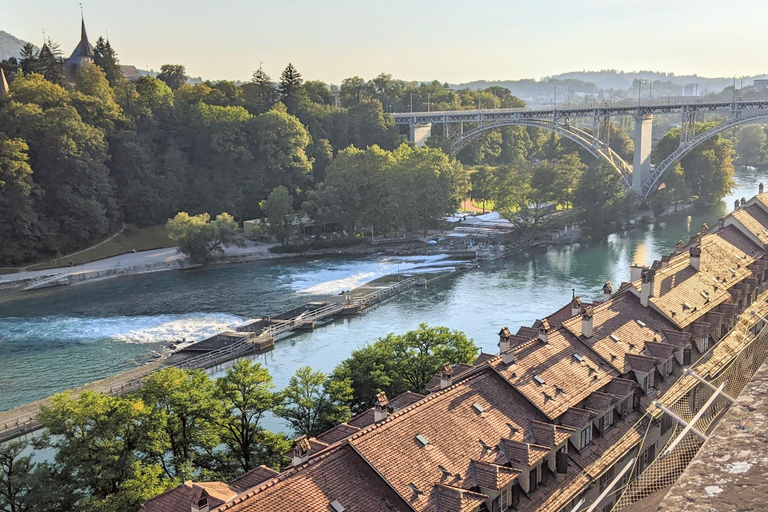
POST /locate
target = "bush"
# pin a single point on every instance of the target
(332, 243)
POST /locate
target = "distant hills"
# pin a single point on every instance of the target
(9, 45)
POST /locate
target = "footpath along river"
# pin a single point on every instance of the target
(55, 339)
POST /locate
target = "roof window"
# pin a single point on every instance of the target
(614, 338)
(423, 441)
(338, 507)
(578, 357)
(640, 323)
(539, 379)
(479, 408)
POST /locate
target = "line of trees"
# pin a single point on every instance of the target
(112, 452)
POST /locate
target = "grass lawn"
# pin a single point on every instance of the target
(143, 239)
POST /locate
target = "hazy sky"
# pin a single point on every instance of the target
(411, 39)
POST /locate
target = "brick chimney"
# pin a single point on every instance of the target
(381, 409)
(301, 449)
(576, 306)
(505, 339)
(586, 322)
(695, 252)
(646, 289)
(201, 505)
(543, 328)
(446, 376)
(607, 290)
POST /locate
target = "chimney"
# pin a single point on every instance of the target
(679, 246)
(586, 322)
(695, 252)
(607, 291)
(760, 189)
(543, 328)
(576, 306)
(635, 271)
(508, 357)
(505, 339)
(646, 290)
(736, 204)
(301, 448)
(704, 229)
(381, 409)
(743, 201)
(446, 376)
(201, 505)
(665, 261)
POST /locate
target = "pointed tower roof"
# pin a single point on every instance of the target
(84, 48)
(3, 83)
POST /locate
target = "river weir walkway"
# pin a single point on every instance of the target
(254, 337)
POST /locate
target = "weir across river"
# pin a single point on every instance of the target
(254, 337)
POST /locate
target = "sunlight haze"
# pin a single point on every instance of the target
(449, 41)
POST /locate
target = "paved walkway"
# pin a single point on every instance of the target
(136, 262)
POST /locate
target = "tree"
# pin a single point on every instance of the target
(50, 63)
(246, 394)
(184, 403)
(16, 478)
(280, 214)
(97, 440)
(106, 58)
(19, 233)
(200, 238)
(482, 184)
(750, 140)
(312, 403)
(290, 87)
(597, 195)
(399, 363)
(174, 75)
(260, 94)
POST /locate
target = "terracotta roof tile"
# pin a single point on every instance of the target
(570, 372)
(599, 402)
(620, 387)
(453, 499)
(401, 401)
(337, 475)
(492, 476)
(576, 418)
(453, 429)
(252, 478)
(181, 498)
(337, 433)
(754, 219)
(483, 358)
(523, 454)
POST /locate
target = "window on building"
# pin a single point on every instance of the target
(606, 479)
(686, 357)
(646, 458)
(741, 304)
(609, 419)
(600, 426)
(533, 479)
(586, 437)
(666, 423)
(495, 506)
(504, 499)
(514, 495)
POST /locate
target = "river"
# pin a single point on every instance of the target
(59, 338)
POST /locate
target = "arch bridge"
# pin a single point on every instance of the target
(641, 177)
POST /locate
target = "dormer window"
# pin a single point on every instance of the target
(585, 437)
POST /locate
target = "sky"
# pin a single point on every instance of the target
(451, 41)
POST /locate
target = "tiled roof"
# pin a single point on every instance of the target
(484, 358)
(492, 476)
(337, 475)
(523, 454)
(566, 312)
(458, 371)
(401, 401)
(755, 220)
(548, 434)
(337, 433)
(641, 363)
(453, 499)
(453, 429)
(181, 498)
(683, 294)
(599, 402)
(570, 372)
(619, 387)
(677, 338)
(576, 418)
(252, 478)
(621, 326)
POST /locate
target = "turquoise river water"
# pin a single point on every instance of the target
(55, 339)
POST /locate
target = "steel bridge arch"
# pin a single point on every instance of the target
(678, 154)
(592, 145)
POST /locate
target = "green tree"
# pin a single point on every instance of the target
(200, 238)
(17, 484)
(312, 403)
(97, 440)
(399, 363)
(483, 184)
(260, 94)
(750, 140)
(50, 63)
(597, 195)
(174, 75)
(290, 87)
(106, 58)
(185, 405)
(280, 214)
(19, 233)
(246, 394)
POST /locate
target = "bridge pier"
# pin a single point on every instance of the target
(419, 133)
(641, 169)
